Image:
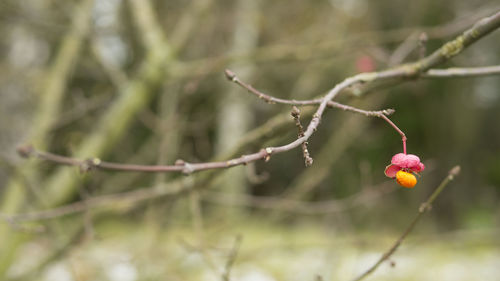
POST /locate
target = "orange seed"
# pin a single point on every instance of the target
(406, 179)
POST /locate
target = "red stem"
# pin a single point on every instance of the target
(404, 144)
(403, 136)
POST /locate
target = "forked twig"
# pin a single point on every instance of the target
(231, 76)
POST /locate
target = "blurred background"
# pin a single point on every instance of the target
(135, 81)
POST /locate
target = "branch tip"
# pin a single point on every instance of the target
(388, 111)
(308, 161)
(188, 169)
(422, 41)
(295, 112)
(25, 151)
(231, 76)
(454, 171)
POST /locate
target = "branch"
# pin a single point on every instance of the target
(226, 276)
(129, 197)
(16, 226)
(457, 72)
(179, 187)
(403, 136)
(149, 28)
(188, 168)
(272, 127)
(136, 95)
(275, 52)
(426, 206)
(90, 164)
(351, 127)
(404, 49)
(58, 74)
(308, 161)
(49, 104)
(447, 51)
(197, 223)
(231, 76)
(364, 197)
(431, 73)
(455, 47)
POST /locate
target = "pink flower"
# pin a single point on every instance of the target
(405, 162)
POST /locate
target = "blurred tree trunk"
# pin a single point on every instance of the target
(235, 116)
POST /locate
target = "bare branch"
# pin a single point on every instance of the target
(197, 222)
(296, 116)
(273, 126)
(458, 72)
(232, 258)
(179, 187)
(179, 166)
(205, 66)
(447, 51)
(403, 136)
(404, 50)
(130, 197)
(426, 206)
(12, 222)
(455, 47)
(231, 76)
(422, 44)
(366, 196)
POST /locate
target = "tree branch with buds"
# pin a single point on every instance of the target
(411, 70)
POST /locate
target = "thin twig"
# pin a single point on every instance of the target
(197, 219)
(454, 72)
(209, 65)
(115, 74)
(426, 206)
(403, 136)
(422, 44)
(404, 50)
(366, 196)
(459, 72)
(231, 76)
(232, 258)
(181, 186)
(296, 116)
(12, 222)
(116, 199)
